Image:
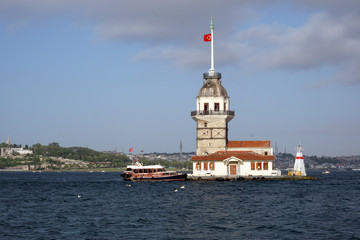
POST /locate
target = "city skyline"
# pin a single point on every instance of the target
(121, 74)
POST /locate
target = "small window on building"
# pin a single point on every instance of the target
(205, 166)
(212, 166)
(258, 166)
(266, 166)
(216, 106)
(265, 153)
(224, 106)
(252, 165)
(206, 107)
(198, 166)
(205, 124)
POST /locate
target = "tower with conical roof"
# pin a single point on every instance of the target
(212, 110)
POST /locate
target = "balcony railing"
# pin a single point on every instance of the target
(212, 112)
(213, 75)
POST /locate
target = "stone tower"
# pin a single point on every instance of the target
(212, 110)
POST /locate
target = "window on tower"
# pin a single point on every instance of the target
(206, 107)
(205, 124)
(216, 106)
(224, 106)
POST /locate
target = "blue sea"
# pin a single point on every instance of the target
(69, 205)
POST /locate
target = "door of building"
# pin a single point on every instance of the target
(232, 169)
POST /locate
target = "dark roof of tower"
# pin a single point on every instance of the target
(212, 88)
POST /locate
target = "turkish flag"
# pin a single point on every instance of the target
(131, 149)
(207, 37)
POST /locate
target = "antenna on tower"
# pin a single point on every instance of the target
(212, 67)
(180, 149)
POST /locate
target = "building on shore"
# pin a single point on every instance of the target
(6, 151)
(215, 154)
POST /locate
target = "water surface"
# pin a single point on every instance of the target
(101, 206)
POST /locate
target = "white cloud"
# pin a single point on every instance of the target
(172, 28)
(322, 42)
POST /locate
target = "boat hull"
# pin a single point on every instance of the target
(178, 177)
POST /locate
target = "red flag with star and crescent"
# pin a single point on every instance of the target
(207, 37)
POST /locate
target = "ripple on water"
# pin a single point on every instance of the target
(47, 206)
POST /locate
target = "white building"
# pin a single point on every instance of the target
(11, 151)
(215, 155)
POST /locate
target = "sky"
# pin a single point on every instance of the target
(110, 75)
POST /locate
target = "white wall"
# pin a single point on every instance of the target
(261, 151)
(211, 100)
(243, 169)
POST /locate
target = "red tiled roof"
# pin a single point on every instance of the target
(243, 155)
(247, 144)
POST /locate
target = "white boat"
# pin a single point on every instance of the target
(139, 172)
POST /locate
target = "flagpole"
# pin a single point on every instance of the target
(212, 69)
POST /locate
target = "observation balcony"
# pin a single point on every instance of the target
(212, 112)
(212, 75)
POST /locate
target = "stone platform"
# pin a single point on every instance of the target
(190, 177)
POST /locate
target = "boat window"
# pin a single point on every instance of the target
(145, 171)
(141, 170)
(129, 169)
(161, 170)
(150, 170)
(136, 170)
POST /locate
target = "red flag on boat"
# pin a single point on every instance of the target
(131, 149)
(207, 37)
